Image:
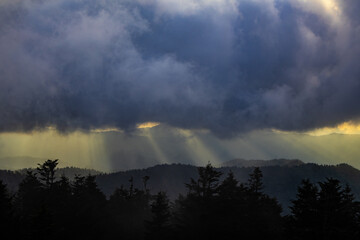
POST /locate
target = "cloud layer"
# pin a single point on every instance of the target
(225, 65)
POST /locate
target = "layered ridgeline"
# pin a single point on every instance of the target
(262, 163)
(281, 177)
(279, 181)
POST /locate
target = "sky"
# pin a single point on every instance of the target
(119, 84)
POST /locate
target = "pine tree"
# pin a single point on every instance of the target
(304, 221)
(228, 189)
(159, 226)
(130, 209)
(263, 213)
(207, 184)
(230, 208)
(89, 208)
(28, 197)
(198, 209)
(255, 181)
(328, 213)
(47, 172)
(337, 211)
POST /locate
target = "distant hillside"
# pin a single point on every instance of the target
(280, 181)
(70, 172)
(262, 163)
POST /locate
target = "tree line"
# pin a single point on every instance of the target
(45, 207)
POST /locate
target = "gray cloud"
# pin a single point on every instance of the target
(227, 66)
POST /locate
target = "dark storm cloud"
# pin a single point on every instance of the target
(228, 66)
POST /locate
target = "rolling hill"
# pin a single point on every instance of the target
(262, 163)
(280, 181)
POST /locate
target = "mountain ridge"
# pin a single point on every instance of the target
(279, 181)
(238, 162)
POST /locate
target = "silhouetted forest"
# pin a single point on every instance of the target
(214, 207)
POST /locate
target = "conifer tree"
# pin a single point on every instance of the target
(228, 189)
(304, 221)
(47, 172)
(337, 211)
(263, 213)
(328, 213)
(255, 183)
(207, 184)
(159, 226)
(198, 209)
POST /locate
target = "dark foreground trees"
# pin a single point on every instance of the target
(49, 209)
(226, 209)
(215, 207)
(7, 223)
(325, 212)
